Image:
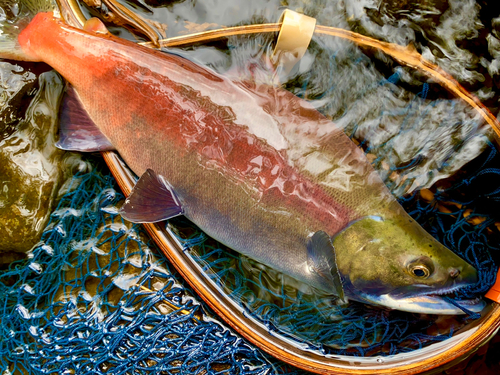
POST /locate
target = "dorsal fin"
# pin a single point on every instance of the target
(411, 49)
(95, 25)
(152, 199)
(77, 131)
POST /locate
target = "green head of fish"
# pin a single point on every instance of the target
(394, 262)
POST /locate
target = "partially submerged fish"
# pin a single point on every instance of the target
(253, 166)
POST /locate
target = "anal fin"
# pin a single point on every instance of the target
(321, 260)
(77, 131)
(152, 199)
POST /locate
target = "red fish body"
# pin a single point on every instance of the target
(160, 112)
(254, 167)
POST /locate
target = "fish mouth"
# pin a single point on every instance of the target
(435, 302)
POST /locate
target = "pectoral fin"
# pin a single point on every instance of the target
(321, 260)
(152, 199)
(77, 131)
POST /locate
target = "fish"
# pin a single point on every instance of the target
(252, 165)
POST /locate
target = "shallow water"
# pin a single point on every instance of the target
(415, 132)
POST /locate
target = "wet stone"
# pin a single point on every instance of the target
(31, 167)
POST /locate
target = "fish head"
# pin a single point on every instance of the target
(394, 262)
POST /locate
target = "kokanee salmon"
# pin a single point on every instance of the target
(253, 166)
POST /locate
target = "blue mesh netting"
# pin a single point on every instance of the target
(96, 297)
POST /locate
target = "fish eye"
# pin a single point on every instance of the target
(421, 268)
(420, 271)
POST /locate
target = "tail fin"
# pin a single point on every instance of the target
(15, 15)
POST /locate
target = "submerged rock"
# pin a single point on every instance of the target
(32, 169)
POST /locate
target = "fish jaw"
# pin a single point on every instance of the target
(432, 302)
(428, 300)
(423, 299)
(425, 304)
